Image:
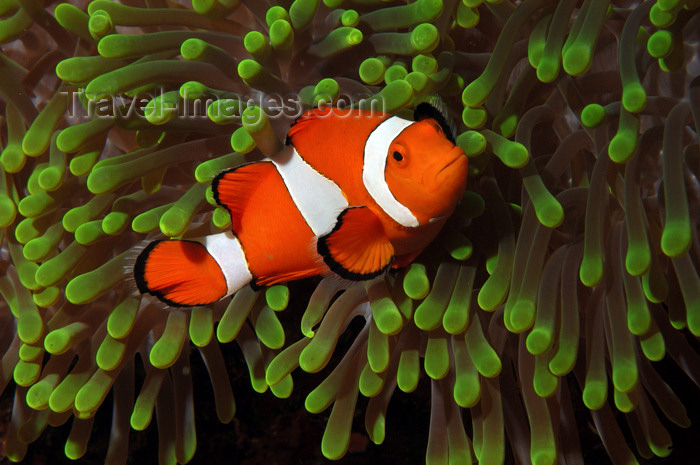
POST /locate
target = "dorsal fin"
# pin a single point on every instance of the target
(434, 108)
(235, 187)
(308, 117)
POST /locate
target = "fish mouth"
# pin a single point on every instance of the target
(447, 166)
(459, 158)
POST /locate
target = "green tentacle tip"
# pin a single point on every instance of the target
(370, 382)
(88, 286)
(12, 158)
(72, 18)
(661, 450)
(253, 119)
(387, 316)
(514, 155)
(594, 394)
(114, 223)
(548, 68)
(350, 18)
(193, 49)
(166, 349)
(60, 340)
(277, 297)
(425, 38)
(73, 137)
(214, 8)
(459, 247)
(176, 219)
(426, 64)
(8, 210)
(337, 41)
(257, 45)
(121, 320)
(163, 108)
(224, 111)
(25, 374)
(506, 124)
(395, 73)
(100, 24)
(548, 210)
(437, 358)
(660, 44)
(192, 90)
(660, 17)
(623, 146)
(538, 341)
(654, 347)
(577, 59)
(634, 98)
(249, 70)
(625, 375)
(269, 329)
(676, 238)
(110, 353)
(472, 142)
(221, 218)
(522, 315)
(74, 449)
(274, 13)
(419, 81)
(638, 261)
(492, 293)
(372, 71)
(38, 395)
(242, 141)
(30, 326)
(476, 93)
(545, 456)
(467, 17)
(416, 284)
(593, 115)
(30, 353)
(281, 35)
(669, 5)
(474, 118)
(201, 326)
(82, 164)
(409, 371)
(591, 271)
(47, 297)
(394, 96)
(325, 92)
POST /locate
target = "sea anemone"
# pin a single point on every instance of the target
(557, 298)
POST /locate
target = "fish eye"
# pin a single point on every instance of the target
(397, 156)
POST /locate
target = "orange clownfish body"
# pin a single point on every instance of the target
(352, 193)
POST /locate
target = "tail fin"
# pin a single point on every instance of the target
(180, 273)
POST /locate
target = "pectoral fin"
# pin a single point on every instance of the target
(357, 248)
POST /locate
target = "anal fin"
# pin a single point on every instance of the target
(357, 248)
(180, 273)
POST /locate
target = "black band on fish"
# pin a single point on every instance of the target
(425, 110)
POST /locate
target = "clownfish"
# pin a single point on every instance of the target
(352, 193)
